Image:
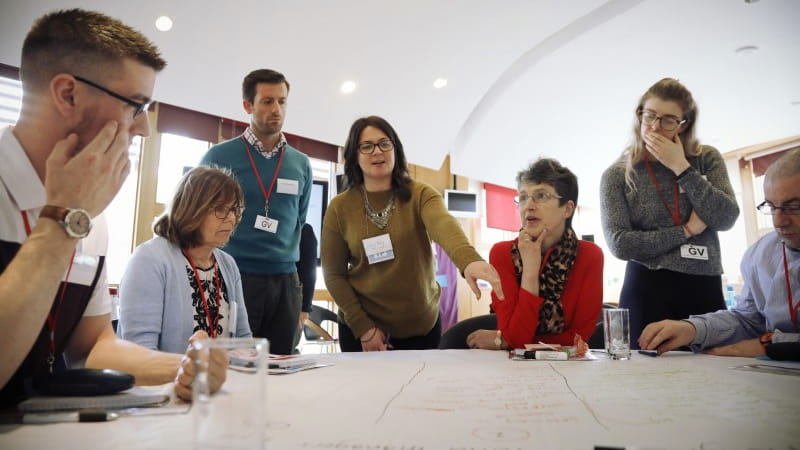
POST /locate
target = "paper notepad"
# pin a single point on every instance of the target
(115, 401)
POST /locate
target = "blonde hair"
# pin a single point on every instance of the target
(667, 89)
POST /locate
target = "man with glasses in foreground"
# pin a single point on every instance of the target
(63, 163)
(764, 321)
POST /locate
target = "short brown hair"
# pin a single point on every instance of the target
(84, 42)
(551, 172)
(252, 79)
(200, 189)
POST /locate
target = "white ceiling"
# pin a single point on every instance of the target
(527, 78)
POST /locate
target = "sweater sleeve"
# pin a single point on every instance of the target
(445, 230)
(582, 299)
(624, 241)
(518, 313)
(233, 280)
(583, 296)
(334, 255)
(142, 298)
(710, 192)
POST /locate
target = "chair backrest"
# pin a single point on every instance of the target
(318, 315)
(456, 336)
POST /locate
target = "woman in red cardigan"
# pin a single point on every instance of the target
(553, 282)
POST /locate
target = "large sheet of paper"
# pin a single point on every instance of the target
(479, 399)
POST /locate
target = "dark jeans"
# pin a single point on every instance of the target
(273, 308)
(350, 343)
(653, 295)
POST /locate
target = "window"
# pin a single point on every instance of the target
(120, 217)
(10, 100)
(177, 155)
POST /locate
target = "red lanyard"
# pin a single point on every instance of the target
(52, 319)
(212, 325)
(258, 177)
(675, 214)
(792, 308)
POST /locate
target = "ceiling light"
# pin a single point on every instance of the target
(348, 87)
(164, 23)
(440, 83)
(746, 49)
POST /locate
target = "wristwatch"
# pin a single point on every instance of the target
(76, 222)
(498, 340)
(765, 339)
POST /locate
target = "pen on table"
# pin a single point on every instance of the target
(57, 417)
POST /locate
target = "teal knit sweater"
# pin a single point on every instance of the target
(261, 252)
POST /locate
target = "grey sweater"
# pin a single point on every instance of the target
(638, 227)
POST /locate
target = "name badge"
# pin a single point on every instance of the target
(378, 248)
(264, 223)
(286, 186)
(694, 252)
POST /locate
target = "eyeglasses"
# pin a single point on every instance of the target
(769, 209)
(222, 211)
(668, 123)
(368, 147)
(536, 197)
(138, 108)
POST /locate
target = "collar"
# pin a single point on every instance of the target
(17, 173)
(251, 139)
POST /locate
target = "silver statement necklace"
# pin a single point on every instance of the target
(379, 218)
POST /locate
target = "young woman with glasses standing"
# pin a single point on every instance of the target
(376, 247)
(181, 282)
(662, 203)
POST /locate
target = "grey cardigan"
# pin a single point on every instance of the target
(638, 227)
(156, 298)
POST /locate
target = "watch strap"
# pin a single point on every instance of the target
(66, 218)
(56, 213)
(765, 339)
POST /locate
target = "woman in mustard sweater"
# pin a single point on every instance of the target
(553, 281)
(376, 247)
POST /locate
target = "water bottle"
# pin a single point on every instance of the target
(730, 297)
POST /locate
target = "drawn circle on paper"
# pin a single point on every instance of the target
(500, 434)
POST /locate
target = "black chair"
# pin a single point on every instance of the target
(456, 336)
(313, 329)
(597, 340)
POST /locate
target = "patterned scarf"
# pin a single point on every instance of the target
(551, 280)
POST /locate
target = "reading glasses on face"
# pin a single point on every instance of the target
(368, 147)
(667, 123)
(769, 209)
(222, 211)
(536, 197)
(138, 108)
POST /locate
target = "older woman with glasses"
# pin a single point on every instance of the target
(376, 247)
(180, 283)
(553, 282)
(662, 204)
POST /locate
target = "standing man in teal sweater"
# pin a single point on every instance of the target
(276, 180)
